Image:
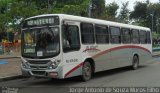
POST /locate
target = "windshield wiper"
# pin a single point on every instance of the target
(52, 32)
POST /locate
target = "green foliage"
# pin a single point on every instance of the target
(4, 18)
(143, 13)
(4, 6)
(12, 12)
(140, 11)
(124, 13)
(98, 7)
(3, 22)
(155, 35)
(111, 9)
(71, 9)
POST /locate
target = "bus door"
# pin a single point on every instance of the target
(71, 47)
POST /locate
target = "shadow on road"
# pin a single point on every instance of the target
(76, 80)
(114, 71)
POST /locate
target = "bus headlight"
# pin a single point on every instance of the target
(55, 64)
(25, 65)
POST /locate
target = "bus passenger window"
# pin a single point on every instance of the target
(102, 35)
(135, 36)
(126, 36)
(148, 37)
(115, 35)
(87, 33)
(143, 38)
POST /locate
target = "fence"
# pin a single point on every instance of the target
(156, 40)
(9, 47)
(1, 49)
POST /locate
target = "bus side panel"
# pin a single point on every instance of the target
(144, 56)
(72, 64)
(121, 57)
(102, 58)
(113, 56)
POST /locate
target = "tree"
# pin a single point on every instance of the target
(4, 18)
(124, 13)
(4, 6)
(111, 11)
(20, 10)
(73, 7)
(98, 8)
(12, 12)
(140, 12)
(145, 13)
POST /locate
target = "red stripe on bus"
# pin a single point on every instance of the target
(118, 48)
(106, 51)
(73, 69)
(91, 49)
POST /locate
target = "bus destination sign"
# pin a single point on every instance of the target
(40, 21)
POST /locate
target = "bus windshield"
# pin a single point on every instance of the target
(40, 42)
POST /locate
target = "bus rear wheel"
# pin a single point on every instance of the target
(135, 63)
(86, 71)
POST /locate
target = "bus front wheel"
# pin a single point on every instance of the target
(86, 71)
(135, 63)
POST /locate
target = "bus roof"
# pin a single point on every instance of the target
(92, 20)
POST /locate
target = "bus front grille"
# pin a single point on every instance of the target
(39, 67)
(38, 72)
(38, 62)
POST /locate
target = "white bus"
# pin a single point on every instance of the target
(63, 46)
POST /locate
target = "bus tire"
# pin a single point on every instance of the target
(135, 63)
(86, 71)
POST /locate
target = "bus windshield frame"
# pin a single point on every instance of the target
(41, 40)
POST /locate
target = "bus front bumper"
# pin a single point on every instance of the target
(48, 73)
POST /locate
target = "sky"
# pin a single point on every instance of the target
(131, 2)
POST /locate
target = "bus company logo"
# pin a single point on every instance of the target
(91, 49)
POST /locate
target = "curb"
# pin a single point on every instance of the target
(155, 55)
(11, 78)
(10, 57)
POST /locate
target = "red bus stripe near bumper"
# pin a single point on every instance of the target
(73, 69)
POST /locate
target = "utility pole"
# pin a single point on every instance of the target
(48, 5)
(90, 9)
(152, 21)
(157, 25)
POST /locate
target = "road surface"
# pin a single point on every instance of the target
(146, 76)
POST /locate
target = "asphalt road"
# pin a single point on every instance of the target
(146, 76)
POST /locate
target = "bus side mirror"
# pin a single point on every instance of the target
(66, 43)
(65, 28)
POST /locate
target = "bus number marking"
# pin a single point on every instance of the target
(71, 60)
